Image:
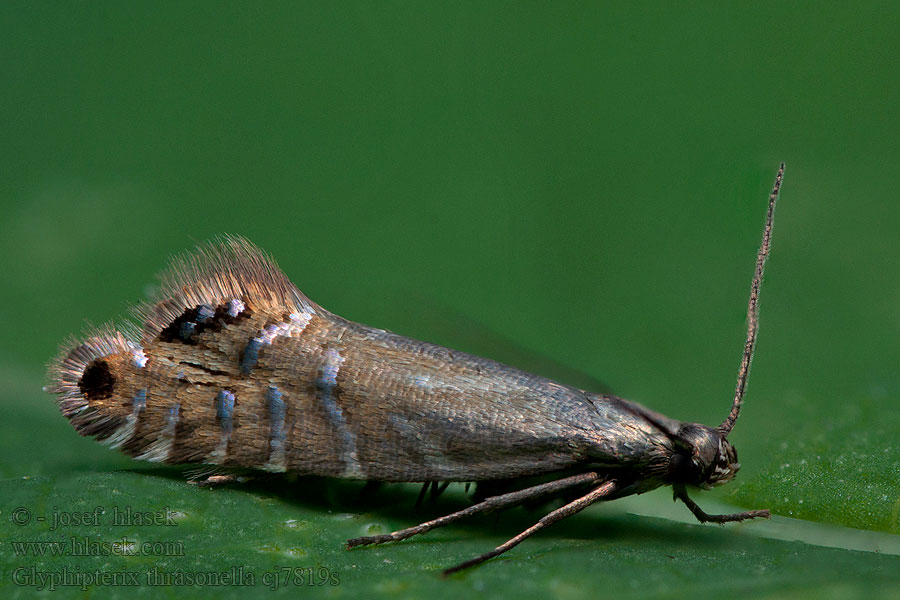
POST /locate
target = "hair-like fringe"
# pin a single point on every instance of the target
(65, 370)
(228, 267)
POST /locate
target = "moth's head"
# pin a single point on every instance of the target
(704, 457)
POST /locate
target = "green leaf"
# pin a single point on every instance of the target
(587, 179)
(288, 534)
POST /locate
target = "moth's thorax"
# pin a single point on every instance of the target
(619, 437)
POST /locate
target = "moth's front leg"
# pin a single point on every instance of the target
(680, 493)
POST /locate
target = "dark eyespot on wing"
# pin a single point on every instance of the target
(97, 382)
(176, 330)
(188, 326)
(230, 274)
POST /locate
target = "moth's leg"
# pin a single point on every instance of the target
(437, 489)
(559, 514)
(487, 505)
(422, 493)
(681, 494)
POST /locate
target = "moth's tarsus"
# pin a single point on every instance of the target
(680, 493)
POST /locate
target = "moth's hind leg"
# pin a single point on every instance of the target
(680, 493)
(487, 505)
(598, 493)
(437, 488)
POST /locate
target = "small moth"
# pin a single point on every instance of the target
(234, 366)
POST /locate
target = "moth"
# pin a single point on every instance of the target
(232, 365)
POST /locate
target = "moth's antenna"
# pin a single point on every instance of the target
(753, 310)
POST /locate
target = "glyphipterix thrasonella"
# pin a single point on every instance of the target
(234, 366)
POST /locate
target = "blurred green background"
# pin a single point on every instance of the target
(584, 182)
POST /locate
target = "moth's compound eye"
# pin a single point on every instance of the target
(97, 382)
(725, 466)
